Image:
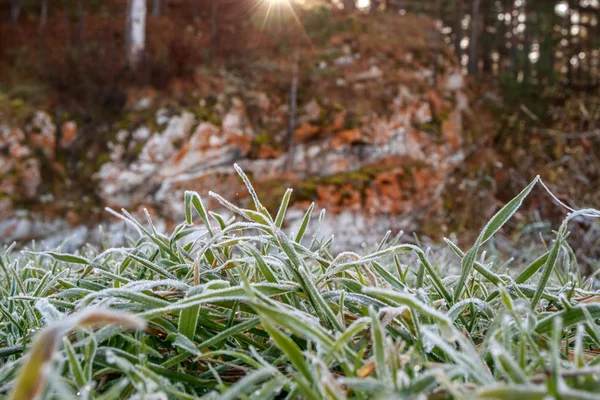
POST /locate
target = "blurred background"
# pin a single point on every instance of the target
(416, 116)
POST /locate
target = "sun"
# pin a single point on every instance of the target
(278, 10)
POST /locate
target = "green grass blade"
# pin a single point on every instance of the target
(194, 199)
(491, 227)
(304, 224)
(573, 316)
(74, 365)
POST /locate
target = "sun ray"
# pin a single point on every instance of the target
(262, 28)
(254, 7)
(299, 23)
(278, 9)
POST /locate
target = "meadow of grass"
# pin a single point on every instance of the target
(234, 307)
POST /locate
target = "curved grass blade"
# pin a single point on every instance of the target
(304, 223)
(283, 208)
(497, 221)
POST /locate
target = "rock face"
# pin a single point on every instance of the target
(387, 165)
(28, 157)
(21, 156)
(42, 134)
(377, 134)
(173, 154)
(24, 227)
(391, 164)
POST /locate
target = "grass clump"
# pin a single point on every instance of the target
(229, 308)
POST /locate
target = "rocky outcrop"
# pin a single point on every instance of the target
(377, 133)
(24, 152)
(401, 159)
(387, 164)
(172, 153)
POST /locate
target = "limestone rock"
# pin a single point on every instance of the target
(43, 134)
(455, 81)
(69, 133)
(312, 110)
(29, 177)
(374, 72)
(423, 114)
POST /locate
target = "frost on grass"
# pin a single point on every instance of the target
(242, 309)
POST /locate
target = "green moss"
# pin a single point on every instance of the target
(443, 116)
(262, 138)
(17, 104)
(126, 122)
(325, 72)
(306, 190)
(14, 110)
(324, 118)
(205, 113)
(434, 127)
(102, 158)
(350, 121)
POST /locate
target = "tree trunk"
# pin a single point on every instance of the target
(400, 5)
(473, 44)
(292, 112)
(373, 4)
(42, 32)
(437, 43)
(67, 22)
(569, 50)
(514, 43)
(156, 8)
(80, 24)
(15, 11)
(349, 4)
(214, 26)
(136, 32)
(502, 50)
(194, 9)
(488, 39)
(459, 31)
(527, 46)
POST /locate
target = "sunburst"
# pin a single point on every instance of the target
(277, 9)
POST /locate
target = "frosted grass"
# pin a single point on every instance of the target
(237, 307)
